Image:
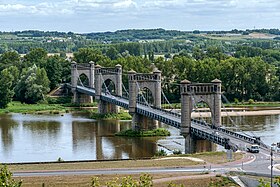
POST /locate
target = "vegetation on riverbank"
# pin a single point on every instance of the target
(17, 107)
(159, 180)
(46, 108)
(144, 133)
(122, 115)
(255, 104)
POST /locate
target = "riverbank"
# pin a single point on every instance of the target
(159, 179)
(239, 113)
(17, 107)
(167, 161)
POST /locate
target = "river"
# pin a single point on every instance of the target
(36, 138)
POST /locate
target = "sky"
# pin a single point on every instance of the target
(84, 16)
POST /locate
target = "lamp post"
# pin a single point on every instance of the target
(271, 169)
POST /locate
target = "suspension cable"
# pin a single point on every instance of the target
(77, 73)
(106, 89)
(236, 125)
(141, 94)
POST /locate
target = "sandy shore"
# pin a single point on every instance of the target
(240, 113)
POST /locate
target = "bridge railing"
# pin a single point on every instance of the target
(236, 135)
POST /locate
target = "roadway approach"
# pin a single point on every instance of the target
(252, 163)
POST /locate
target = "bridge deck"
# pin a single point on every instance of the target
(198, 128)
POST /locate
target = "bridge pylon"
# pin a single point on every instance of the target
(102, 77)
(78, 70)
(192, 94)
(137, 82)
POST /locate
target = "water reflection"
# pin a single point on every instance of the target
(102, 144)
(74, 137)
(267, 127)
(7, 127)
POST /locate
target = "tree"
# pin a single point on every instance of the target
(54, 70)
(37, 56)
(6, 90)
(10, 58)
(112, 53)
(6, 178)
(85, 55)
(33, 85)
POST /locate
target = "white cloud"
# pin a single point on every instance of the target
(173, 14)
(124, 4)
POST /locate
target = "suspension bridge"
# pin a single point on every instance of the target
(143, 99)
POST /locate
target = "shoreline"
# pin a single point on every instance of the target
(239, 113)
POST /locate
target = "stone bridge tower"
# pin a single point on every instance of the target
(191, 94)
(76, 71)
(101, 76)
(137, 82)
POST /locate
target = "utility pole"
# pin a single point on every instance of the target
(271, 169)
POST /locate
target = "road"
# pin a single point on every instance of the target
(256, 163)
(261, 163)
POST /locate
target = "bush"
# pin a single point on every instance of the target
(160, 153)
(250, 101)
(177, 152)
(144, 180)
(236, 101)
(134, 133)
(121, 116)
(6, 178)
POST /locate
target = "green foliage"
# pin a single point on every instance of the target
(17, 107)
(10, 58)
(85, 55)
(33, 85)
(160, 153)
(236, 101)
(263, 183)
(6, 91)
(60, 159)
(171, 184)
(121, 116)
(95, 182)
(6, 179)
(250, 101)
(177, 152)
(37, 56)
(54, 70)
(59, 100)
(221, 181)
(145, 180)
(146, 133)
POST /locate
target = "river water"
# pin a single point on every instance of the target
(33, 138)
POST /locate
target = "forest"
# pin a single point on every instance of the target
(248, 68)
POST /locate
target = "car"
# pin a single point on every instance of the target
(254, 148)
